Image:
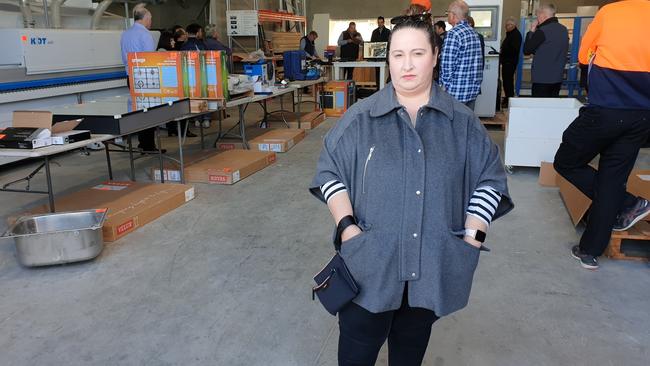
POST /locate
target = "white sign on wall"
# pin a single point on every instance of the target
(242, 22)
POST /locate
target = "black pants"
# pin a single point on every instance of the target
(146, 138)
(363, 333)
(508, 78)
(617, 135)
(546, 90)
(349, 73)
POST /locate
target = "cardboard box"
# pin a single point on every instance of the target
(279, 141)
(198, 106)
(156, 74)
(308, 120)
(42, 119)
(159, 77)
(43, 133)
(230, 145)
(130, 204)
(229, 167)
(217, 74)
(547, 175)
(337, 97)
(578, 204)
(172, 170)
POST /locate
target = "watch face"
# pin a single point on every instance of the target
(480, 236)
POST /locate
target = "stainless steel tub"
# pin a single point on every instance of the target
(56, 238)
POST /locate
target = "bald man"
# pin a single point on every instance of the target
(138, 39)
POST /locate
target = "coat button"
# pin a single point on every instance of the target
(415, 235)
(413, 274)
(419, 151)
(418, 192)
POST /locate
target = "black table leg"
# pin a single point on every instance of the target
(130, 142)
(160, 156)
(108, 160)
(242, 125)
(48, 177)
(180, 151)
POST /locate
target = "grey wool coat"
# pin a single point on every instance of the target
(410, 188)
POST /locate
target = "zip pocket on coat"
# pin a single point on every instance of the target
(365, 169)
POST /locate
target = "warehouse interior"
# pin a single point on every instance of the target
(225, 276)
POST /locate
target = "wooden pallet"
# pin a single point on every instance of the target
(639, 234)
(500, 119)
(285, 41)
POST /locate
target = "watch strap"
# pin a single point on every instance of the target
(477, 235)
(340, 228)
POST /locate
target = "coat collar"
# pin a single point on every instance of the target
(386, 101)
(549, 21)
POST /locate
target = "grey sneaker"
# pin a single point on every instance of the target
(586, 261)
(631, 216)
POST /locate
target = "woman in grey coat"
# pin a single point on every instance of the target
(422, 180)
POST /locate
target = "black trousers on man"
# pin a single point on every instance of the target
(146, 138)
(546, 90)
(617, 135)
(508, 79)
(362, 334)
(348, 73)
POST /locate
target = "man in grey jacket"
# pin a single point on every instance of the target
(548, 40)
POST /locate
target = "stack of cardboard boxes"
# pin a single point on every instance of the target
(159, 77)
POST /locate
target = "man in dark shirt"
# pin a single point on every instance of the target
(441, 29)
(381, 34)
(212, 42)
(349, 41)
(548, 40)
(509, 58)
(307, 44)
(194, 38)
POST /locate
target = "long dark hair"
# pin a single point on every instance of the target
(165, 41)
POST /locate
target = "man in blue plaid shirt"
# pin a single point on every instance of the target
(461, 69)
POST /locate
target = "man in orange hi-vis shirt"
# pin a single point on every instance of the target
(615, 124)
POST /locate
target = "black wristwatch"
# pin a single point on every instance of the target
(477, 235)
(340, 228)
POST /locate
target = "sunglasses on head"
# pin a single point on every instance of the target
(423, 18)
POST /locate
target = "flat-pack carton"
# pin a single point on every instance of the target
(130, 204)
(308, 120)
(229, 167)
(278, 140)
(172, 169)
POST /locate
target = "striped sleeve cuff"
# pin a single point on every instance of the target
(331, 189)
(483, 204)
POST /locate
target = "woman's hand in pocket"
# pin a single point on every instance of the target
(472, 241)
(349, 233)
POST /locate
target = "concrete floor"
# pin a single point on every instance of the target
(225, 280)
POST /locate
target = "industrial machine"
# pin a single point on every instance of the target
(488, 16)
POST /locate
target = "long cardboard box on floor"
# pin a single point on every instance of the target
(232, 144)
(279, 140)
(308, 120)
(229, 167)
(172, 169)
(130, 204)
